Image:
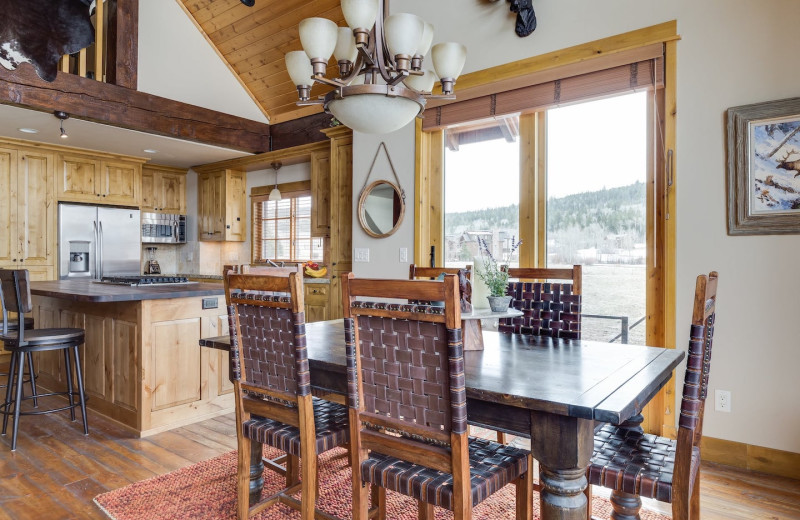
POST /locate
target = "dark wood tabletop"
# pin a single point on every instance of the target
(583, 379)
(89, 291)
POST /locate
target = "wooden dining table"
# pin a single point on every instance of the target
(550, 390)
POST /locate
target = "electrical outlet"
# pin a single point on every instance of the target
(361, 254)
(404, 254)
(722, 401)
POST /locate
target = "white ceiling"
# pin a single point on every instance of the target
(94, 136)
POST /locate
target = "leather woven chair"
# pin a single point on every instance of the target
(549, 309)
(272, 388)
(408, 417)
(15, 286)
(635, 464)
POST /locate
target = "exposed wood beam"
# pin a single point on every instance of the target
(125, 108)
(122, 63)
(300, 131)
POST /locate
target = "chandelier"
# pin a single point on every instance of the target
(382, 85)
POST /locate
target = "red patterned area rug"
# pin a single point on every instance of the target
(207, 491)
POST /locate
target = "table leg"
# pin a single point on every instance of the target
(472, 334)
(563, 447)
(256, 471)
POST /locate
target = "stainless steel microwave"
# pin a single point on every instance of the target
(163, 228)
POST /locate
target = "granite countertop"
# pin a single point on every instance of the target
(218, 278)
(89, 291)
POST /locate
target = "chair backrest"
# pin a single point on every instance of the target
(698, 361)
(431, 273)
(268, 348)
(16, 296)
(405, 371)
(262, 269)
(549, 308)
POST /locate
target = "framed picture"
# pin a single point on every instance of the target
(764, 168)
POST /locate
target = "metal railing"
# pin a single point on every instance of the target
(624, 328)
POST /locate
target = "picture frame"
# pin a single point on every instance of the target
(763, 168)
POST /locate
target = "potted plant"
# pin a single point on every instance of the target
(495, 278)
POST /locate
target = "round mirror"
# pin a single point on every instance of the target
(380, 209)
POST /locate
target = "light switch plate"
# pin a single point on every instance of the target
(403, 254)
(361, 254)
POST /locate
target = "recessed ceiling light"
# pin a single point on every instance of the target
(28, 130)
(149, 150)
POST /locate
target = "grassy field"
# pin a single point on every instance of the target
(617, 290)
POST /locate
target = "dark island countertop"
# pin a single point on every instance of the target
(89, 291)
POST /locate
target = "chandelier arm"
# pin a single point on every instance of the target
(356, 69)
(332, 82)
(384, 61)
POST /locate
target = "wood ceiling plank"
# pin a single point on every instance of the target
(260, 39)
(282, 95)
(195, 5)
(238, 14)
(289, 112)
(217, 8)
(258, 20)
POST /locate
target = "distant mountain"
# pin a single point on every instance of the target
(613, 210)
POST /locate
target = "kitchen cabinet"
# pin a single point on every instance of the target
(317, 305)
(27, 209)
(221, 205)
(320, 193)
(99, 179)
(163, 189)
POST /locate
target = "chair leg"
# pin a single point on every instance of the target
(588, 493)
(694, 501)
(32, 374)
(243, 479)
(18, 387)
(625, 506)
(292, 470)
(12, 369)
(70, 389)
(378, 502)
(308, 483)
(81, 394)
(524, 486)
(425, 510)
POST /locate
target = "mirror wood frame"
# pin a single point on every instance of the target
(362, 199)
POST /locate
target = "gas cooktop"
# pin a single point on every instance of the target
(144, 280)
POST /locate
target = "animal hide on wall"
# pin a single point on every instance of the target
(39, 32)
(526, 17)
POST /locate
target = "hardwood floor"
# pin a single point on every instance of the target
(56, 471)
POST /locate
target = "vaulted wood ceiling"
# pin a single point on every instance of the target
(254, 40)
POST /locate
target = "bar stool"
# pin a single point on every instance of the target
(12, 327)
(15, 288)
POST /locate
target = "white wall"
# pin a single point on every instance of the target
(732, 52)
(176, 62)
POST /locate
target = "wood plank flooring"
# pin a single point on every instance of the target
(56, 471)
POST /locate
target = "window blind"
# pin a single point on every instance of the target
(625, 72)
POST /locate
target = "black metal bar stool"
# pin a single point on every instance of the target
(12, 327)
(15, 286)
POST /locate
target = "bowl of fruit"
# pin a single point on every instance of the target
(314, 270)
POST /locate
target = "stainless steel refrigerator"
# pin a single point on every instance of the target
(97, 241)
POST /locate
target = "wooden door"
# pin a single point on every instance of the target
(320, 193)
(149, 190)
(77, 178)
(120, 183)
(235, 207)
(172, 193)
(36, 209)
(9, 251)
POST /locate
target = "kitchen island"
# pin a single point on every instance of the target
(141, 363)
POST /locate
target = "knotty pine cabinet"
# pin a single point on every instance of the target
(27, 210)
(163, 189)
(317, 302)
(222, 206)
(99, 179)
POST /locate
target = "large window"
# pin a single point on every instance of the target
(282, 230)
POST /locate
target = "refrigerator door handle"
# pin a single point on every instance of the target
(96, 250)
(101, 250)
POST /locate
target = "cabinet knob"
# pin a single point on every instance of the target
(14, 260)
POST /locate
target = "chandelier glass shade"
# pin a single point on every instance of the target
(382, 85)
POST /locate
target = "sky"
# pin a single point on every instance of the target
(590, 146)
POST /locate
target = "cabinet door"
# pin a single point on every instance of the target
(149, 191)
(176, 362)
(205, 206)
(120, 183)
(320, 194)
(171, 193)
(9, 251)
(36, 209)
(316, 302)
(235, 209)
(77, 178)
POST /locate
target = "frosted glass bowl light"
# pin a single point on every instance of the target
(374, 113)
